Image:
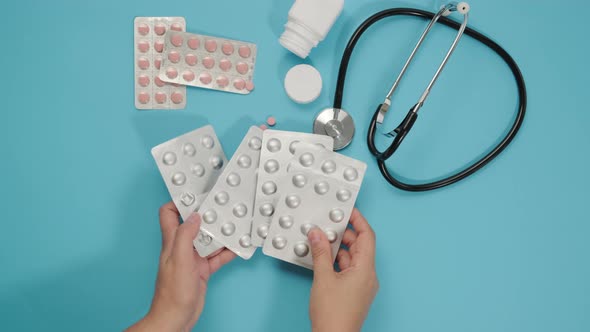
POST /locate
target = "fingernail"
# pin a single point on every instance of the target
(193, 218)
(314, 236)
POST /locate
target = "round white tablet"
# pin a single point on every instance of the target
(303, 84)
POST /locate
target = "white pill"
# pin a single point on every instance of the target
(273, 145)
(179, 179)
(303, 84)
(169, 158)
(233, 179)
(228, 229)
(306, 227)
(267, 209)
(255, 143)
(210, 216)
(343, 195)
(329, 167)
(262, 231)
(244, 161)
(350, 174)
(279, 242)
(222, 198)
(269, 188)
(293, 201)
(336, 215)
(299, 180)
(216, 162)
(306, 159)
(198, 170)
(189, 150)
(301, 249)
(245, 241)
(286, 222)
(204, 239)
(240, 210)
(271, 166)
(207, 142)
(322, 188)
(332, 236)
(293, 146)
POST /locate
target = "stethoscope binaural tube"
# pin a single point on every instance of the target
(403, 129)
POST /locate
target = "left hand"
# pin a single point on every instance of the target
(182, 277)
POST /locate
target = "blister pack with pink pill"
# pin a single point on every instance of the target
(208, 62)
(320, 190)
(149, 42)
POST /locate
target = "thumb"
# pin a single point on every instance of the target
(185, 234)
(321, 252)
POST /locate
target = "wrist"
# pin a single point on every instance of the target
(162, 321)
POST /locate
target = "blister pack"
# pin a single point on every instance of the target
(150, 91)
(320, 191)
(227, 211)
(190, 165)
(278, 148)
(209, 62)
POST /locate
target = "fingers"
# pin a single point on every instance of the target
(168, 225)
(343, 259)
(185, 234)
(349, 238)
(218, 261)
(321, 253)
(364, 249)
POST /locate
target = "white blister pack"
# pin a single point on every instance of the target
(190, 165)
(278, 148)
(209, 62)
(320, 190)
(227, 211)
(150, 91)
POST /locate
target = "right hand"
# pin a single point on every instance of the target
(340, 301)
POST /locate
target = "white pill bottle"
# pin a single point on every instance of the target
(309, 23)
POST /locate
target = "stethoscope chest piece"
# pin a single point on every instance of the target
(337, 124)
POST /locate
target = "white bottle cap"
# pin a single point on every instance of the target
(303, 84)
(299, 39)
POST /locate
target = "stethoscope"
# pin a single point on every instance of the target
(338, 124)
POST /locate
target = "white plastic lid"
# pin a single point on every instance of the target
(303, 84)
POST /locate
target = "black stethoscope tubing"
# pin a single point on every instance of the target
(403, 129)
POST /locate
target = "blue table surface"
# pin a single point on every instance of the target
(505, 250)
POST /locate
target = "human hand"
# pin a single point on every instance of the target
(182, 277)
(340, 301)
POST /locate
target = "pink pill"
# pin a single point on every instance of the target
(157, 62)
(225, 64)
(177, 97)
(171, 73)
(263, 127)
(242, 68)
(208, 62)
(143, 98)
(249, 85)
(143, 80)
(205, 78)
(143, 29)
(193, 43)
(159, 46)
(227, 48)
(158, 81)
(244, 51)
(211, 46)
(271, 121)
(239, 84)
(176, 40)
(190, 59)
(174, 56)
(160, 29)
(143, 46)
(176, 27)
(188, 76)
(222, 81)
(143, 63)
(160, 97)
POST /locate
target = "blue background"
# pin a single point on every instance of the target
(505, 250)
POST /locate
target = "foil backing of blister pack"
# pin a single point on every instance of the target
(278, 149)
(150, 91)
(190, 165)
(227, 211)
(320, 190)
(209, 62)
